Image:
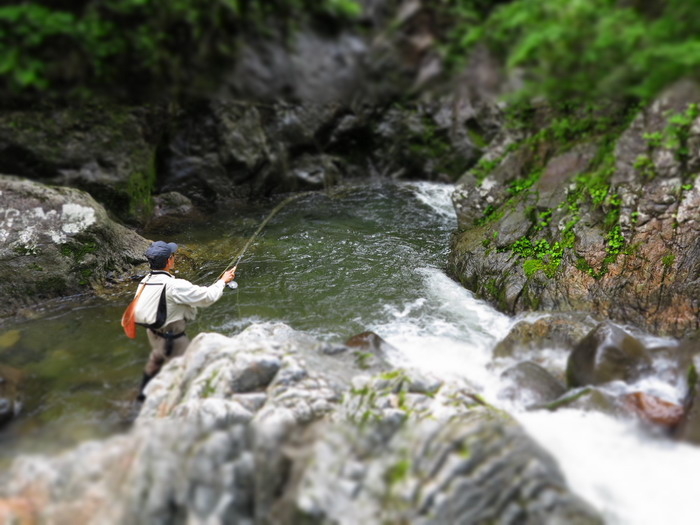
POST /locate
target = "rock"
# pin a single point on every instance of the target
(10, 393)
(552, 331)
(590, 399)
(108, 151)
(655, 409)
(312, 67)
(57, 242)
(215, 148)
(316, 172)
(531, 385)
(170, 211)
(306, 447)
(606, 354)
(689, 426)
(369, 349)
(378, 479)
(533, 235)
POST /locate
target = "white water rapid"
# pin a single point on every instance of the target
(631, 476)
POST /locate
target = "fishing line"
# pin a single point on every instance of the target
(274, 212)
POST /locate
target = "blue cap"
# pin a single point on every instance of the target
(161, 249)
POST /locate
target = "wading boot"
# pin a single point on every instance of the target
(144, 381)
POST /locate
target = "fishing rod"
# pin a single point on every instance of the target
(274, 212)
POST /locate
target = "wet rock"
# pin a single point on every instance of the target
(369, 349)
(378, 480)
(171, 211)
(607, 353)
(10, 393)
(57, 242)
(590, 399)
(559, 171)
(316, 172)
(216, 147)
(654, 120)
(689, 427)
(531, 385)
(552, 331)
(423, 141)
(655, 409)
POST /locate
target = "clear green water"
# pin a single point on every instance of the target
(330, 266)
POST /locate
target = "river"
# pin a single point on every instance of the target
(370, 257)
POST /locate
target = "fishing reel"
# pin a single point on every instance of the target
(232, 284)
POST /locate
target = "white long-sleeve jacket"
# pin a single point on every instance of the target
(182, 297)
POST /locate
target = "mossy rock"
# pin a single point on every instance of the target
(59, 242)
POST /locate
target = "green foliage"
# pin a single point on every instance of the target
(668, 260)
(586, 48)
(678, 131)
(674, 137)
(484, 168)
(540, 255)
(520, 185)
(615, 240)
(645, 165)
(398, 472)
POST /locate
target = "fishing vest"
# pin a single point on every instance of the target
(152, 308)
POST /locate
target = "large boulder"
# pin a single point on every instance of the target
(580, 221)
(57, 242)
(270, 427)
(607, 353)
(528, 338)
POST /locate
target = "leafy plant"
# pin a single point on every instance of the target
(573, 49)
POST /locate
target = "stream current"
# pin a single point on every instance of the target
(362, 258)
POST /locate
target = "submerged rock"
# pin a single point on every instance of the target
(606, 354)
(57, 242)
(591, 399)
(246, 430)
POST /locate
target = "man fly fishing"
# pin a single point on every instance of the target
(164, 304)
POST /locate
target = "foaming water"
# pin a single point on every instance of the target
(447, 332)
(631, 477)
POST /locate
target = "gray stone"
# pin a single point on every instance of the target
(56, 242)
(606, 354)
(531, 384)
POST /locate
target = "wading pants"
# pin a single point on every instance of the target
(166, 342)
